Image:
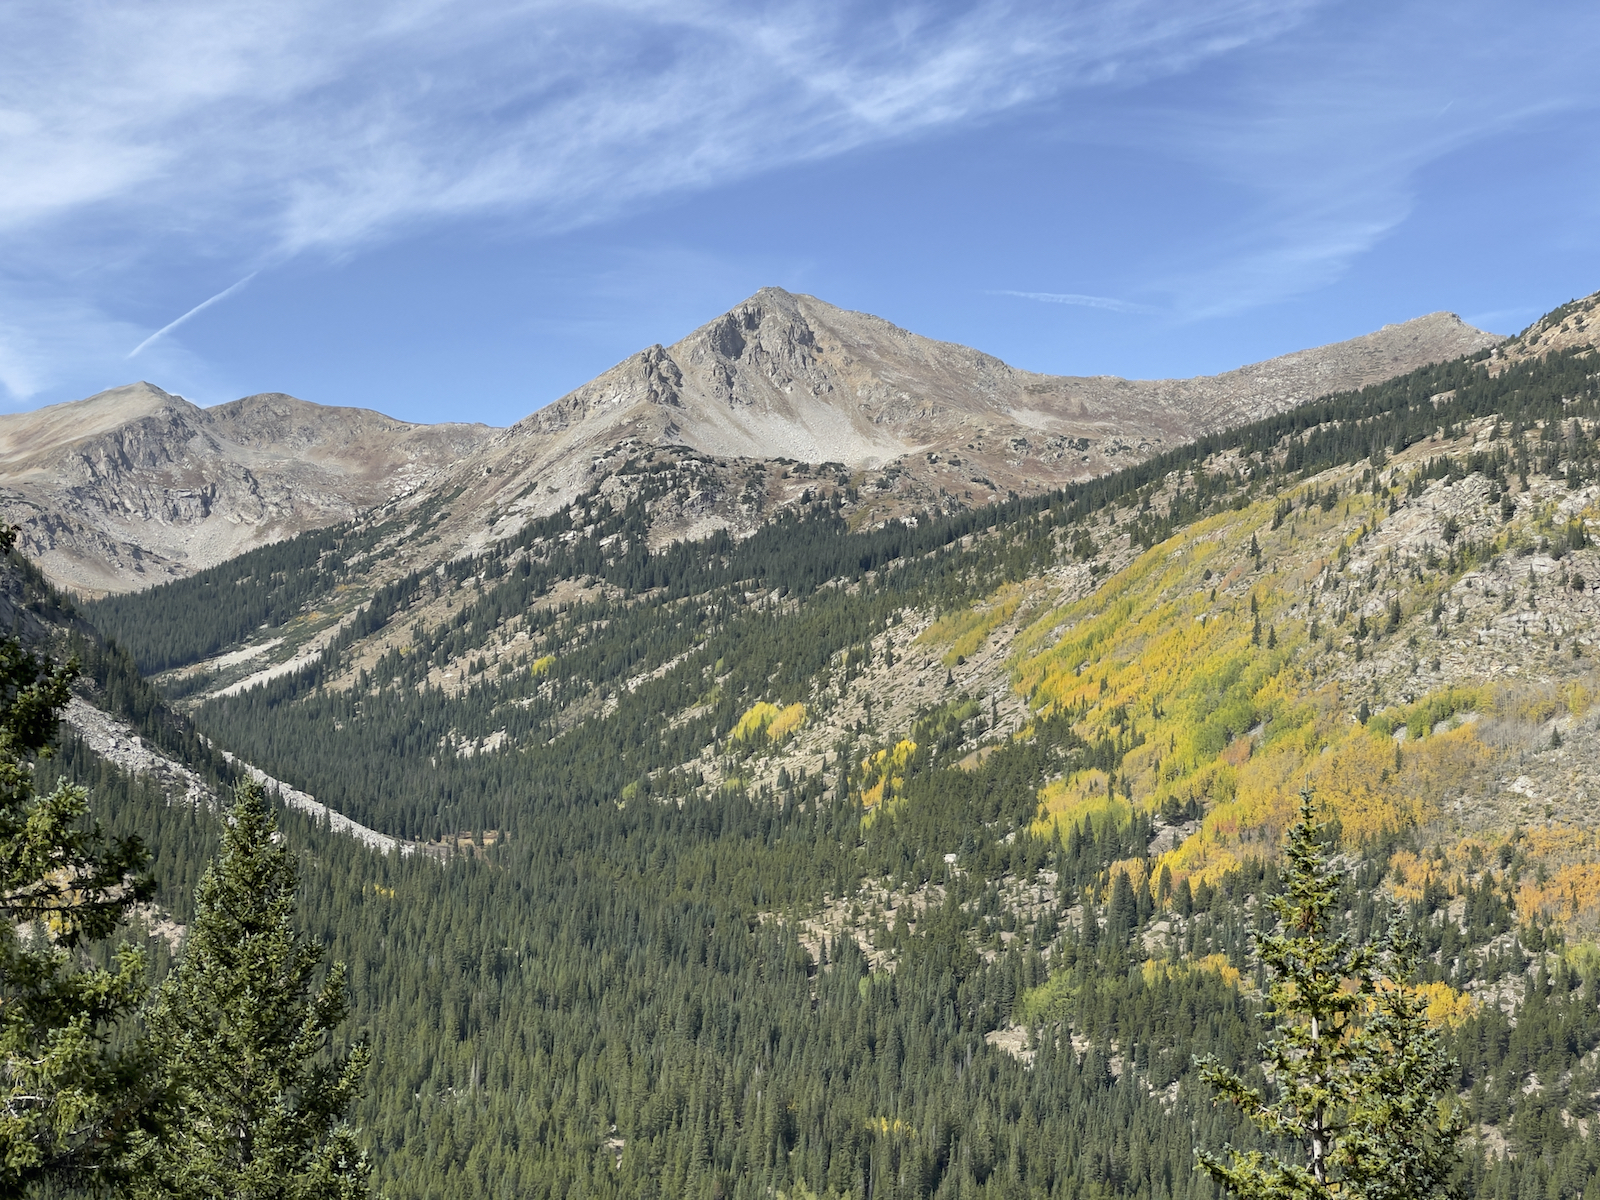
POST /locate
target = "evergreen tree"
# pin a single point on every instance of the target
(1356, 1068)
(67, 1097)
(1400, 1145)
(257, 1099)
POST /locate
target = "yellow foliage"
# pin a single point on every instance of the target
(1577, 698)
(786, 722)
(887, 1127)
(1410, 874)
(541, 666)
(1442, 766)
(966, 630)
(1571, 893)
(770, 720)
(1446, 1006)
(1133, 868)
(1548, 841)
(886, 768)
(1067, 803)
(1355, 780)
(1155, 970)
(1223, 719)
(755, 721)
(890, 759)
(1216, 964)
(1204, 658)
(1583, 957)
(1199, 861)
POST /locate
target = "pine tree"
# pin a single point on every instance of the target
(257, 1099)
(67, 1097)
(1356, 1068)
(1400, 1145)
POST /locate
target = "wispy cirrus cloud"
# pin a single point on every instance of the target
(244, 133)
(167, 148)
(307, 124)
(1327, 139)
(197, 309)
(1110, 303)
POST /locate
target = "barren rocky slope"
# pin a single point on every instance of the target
(790, 376)
(134, 485)
(1573, 326)
(909, 422)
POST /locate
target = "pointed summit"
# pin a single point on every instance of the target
(134, 485)
(785, 375)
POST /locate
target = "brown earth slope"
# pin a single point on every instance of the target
(787, 376)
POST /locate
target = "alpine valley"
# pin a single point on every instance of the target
(813, 760)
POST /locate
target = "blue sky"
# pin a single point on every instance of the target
(460, 209)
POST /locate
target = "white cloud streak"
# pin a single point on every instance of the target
(1325, 138)
(323, 126)
(1111, 304)
(139, 136)
(232, 131)
(198, 308)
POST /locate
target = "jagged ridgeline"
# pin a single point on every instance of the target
(952, 912)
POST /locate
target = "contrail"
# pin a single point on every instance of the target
(1107, 302)
(204, 304)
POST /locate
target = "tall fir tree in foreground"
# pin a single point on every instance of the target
(257, 1098)
(1356, 1074)
(69, 1096)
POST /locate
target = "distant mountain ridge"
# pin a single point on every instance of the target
(134, 485)
(791, 376)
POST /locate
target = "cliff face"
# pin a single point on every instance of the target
(135, 485)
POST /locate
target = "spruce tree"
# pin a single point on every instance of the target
(68, 1097)
(1400, 1144)
(1355, 1070)
(243, 1033)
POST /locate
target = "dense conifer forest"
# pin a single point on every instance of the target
(606, 984)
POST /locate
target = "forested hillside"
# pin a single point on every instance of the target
(922, 860)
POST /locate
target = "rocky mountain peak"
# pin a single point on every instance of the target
(23, 436)
(788, 376)
(135, 485)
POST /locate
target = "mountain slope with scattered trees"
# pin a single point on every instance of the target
(924, 860)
